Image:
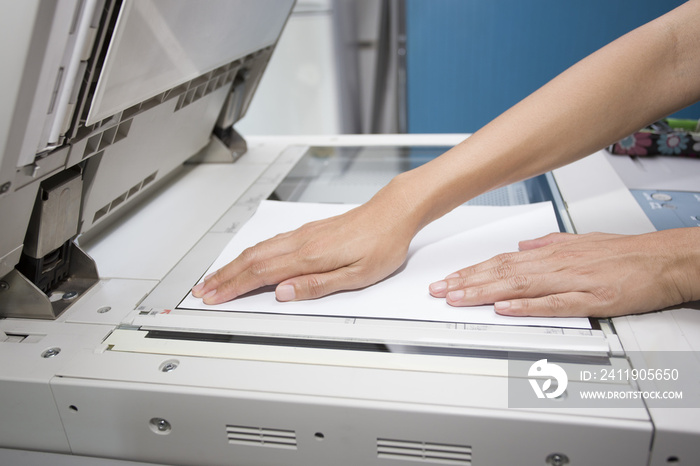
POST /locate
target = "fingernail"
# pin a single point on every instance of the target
(285, 293)
(456, 295)
(501, 306)
(209, 276)
(452, 275)
(438, 287)
(208, 296)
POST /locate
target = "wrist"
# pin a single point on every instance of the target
(408, 197)
(685, 248)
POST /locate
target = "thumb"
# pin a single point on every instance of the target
(316, 285)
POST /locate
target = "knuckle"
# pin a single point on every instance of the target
(486, 294)
(258, 269)
(249, 255)
(456, 281)
(554, 235)
(214, 278)
(460, 278)
(504, 268)
(309, 251)
(504, 258)
(604, 295)
(569, 256)
(227, 288)
(558, 237)
(555, 304)
(475, 294)
(315, 287)
(524, 307)
(519, 283)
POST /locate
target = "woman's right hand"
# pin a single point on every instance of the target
(346, 252)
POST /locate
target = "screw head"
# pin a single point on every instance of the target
(160, 426)
(67, 296)
(557, 459)
(169, 366)
(51, 352)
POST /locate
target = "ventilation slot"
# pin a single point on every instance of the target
(206, 84)
(101, 141)
(262, 437)
(424, 451)
(123, 197)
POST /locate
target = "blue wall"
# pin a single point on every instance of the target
(470, 60)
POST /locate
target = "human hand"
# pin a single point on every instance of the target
(349, 251)
(596, 274)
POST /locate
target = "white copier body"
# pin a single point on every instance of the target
(103, 369)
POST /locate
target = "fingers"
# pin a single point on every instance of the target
(528, 295)
(570, 304)
(558, 238)
(516, 286)
(496, 279)
(497, 284)
(546, 240)
(535, 281)
(225, 284)
(290, 287)
(266, 263)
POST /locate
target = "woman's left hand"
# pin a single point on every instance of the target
(593, 274)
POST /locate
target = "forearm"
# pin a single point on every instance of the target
(643, 76)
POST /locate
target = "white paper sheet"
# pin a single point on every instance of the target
(465, 236)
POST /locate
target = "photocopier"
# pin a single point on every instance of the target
(121, 180)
